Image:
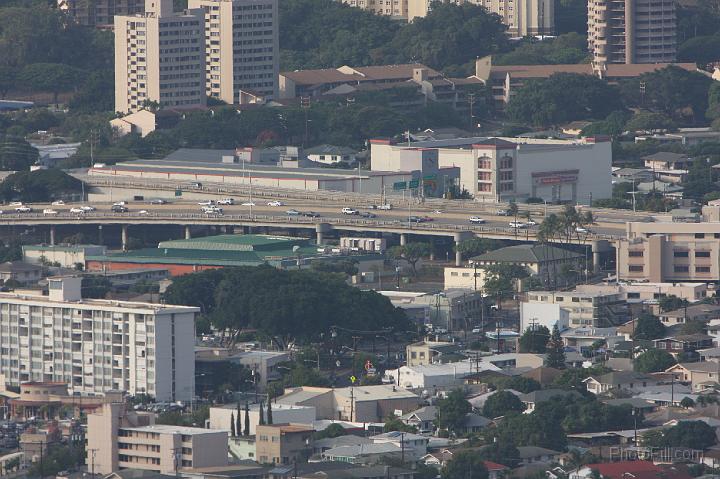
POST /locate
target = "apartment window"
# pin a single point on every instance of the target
(699, 235)
(680, 268)
(702, 254)
(635, 268)
(636, 254)
(702, 269)
(680, 254)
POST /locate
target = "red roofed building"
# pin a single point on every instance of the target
(495, 470)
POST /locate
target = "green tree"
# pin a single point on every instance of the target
(52, 77)
(477, 246)
(555, 350)
(671, 303)
(690, 434)
(410, 253)
(396, 424)
(687, 402)
(500, 279)
(501, 452)
(261, 413)
(232, 424)
(269, 412)
(653, 360)
(16, 154)
(534, 340)
(644, 121)
(452, 411)
(501, 404)
(518, 383)
(466, 465)
(238, 421)
(39, 185)
(333, 430)
(246, 430)
(7, 80)
(699, 180)
(648, 327)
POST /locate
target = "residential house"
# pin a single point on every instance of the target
(543, 375)
(475, 423)
(586, 308)
(693, 312)
(530, 400)
(20, 272)
(423, 419)
(627, 380)
(437, 376)
(330, 154)
(665, 160)
(684, 343)
(363, 454)
(700, 375)
(534, 455)
(583, 338)
(427, 352)
(413, 445)
(322, 445)
(283, 443)
(629, 469)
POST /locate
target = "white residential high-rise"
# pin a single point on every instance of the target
(159, 57)
(97, 345)
(242, 49)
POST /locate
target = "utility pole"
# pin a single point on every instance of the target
(92, 462)
(471, 101)
(305, 105)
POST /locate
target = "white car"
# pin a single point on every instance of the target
(212, 210)
(349, 211)
(77, 211)
(476, 330)
(120, 203)
(16, 203)
(385, 206)
(531, 223)
(580, 229)
(275, 203)
(158, 201)
(49, 211)
(207, 203)
(23, 209)
(248, 203)
(517, 224)
(143, 212)
(87, 209)
(58, 203)
(476, 220)
(226, 201)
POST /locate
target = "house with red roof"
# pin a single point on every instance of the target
(632, 470)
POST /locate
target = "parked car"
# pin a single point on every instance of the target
(476, 330)
(226, 201)
(349, 211)
(275, 203)
(49, 211)
(476, 220)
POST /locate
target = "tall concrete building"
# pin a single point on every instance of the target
(242, 49)
(95, 345)
(632, 31)
(396, 9)
(99, 13)
(159, 57)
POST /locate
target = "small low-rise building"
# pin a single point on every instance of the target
(451, 309)
(694, 312)
(67, 256)
(585, 309)
(331, 155)
(283, 443)
(665, 160)
(701, 375)
(20, 272)
(437, 376)
(413, 445)
(684, 343)
(622, 380)
(428, 352)
(221, 416)
(367, 454)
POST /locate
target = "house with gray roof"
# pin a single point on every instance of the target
(626, 380)
(331, 154)
(530, 400)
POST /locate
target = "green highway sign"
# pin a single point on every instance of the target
(414, 183)
(429, 177)
(400, 185)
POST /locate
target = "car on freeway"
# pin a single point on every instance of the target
(226, 201)
(349, 211)
(119, 209)
(158, 201)
(16, 203)
(196, 185)
(517, 224)
(207, 203)
(292, 213)
(311, 214)
(415, 219)
(211, 210)
(49, 212)
(77, 211)
(531, 223)
(581, 229)
(23, 209)
(384, 206)
(120, 203)
(248, 203)
(476, 220)
(58, 203)
(143, 212)
(275, 203)
(87, 209)
(440, 330)
(476, 330)
(502, 213)
(367, 214)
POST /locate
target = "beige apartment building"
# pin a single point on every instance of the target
(632, 31)
(397, 9)
(585, 308)
(121, 439)
(159, 57)
(283, 443)
(670, 252)
(242, 60)
(99, 13)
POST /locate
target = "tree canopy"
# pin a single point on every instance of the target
(690, 434)
(648, 327)
(287, 304)
(501, 403)
(654, 360)
(534, 340)
(452, 411)
(466, 465)
(39, 185)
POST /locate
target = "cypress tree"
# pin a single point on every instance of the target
(238, 421)
(232, 425)
(269, 412)
(261, 413)
(246, 431)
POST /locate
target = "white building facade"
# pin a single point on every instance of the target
(241, 49)
(97, 345)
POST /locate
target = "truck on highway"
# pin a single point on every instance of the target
(349, 211)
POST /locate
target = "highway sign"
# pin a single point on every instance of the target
(414, 183)
(400, 185)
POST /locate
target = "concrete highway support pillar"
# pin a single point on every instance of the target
(52, 236)
(403, 239)
(432, 249)
(124, 237)
(100, 235)
(188, 233)
(599, 247)
(320, 230)
(459, 238)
